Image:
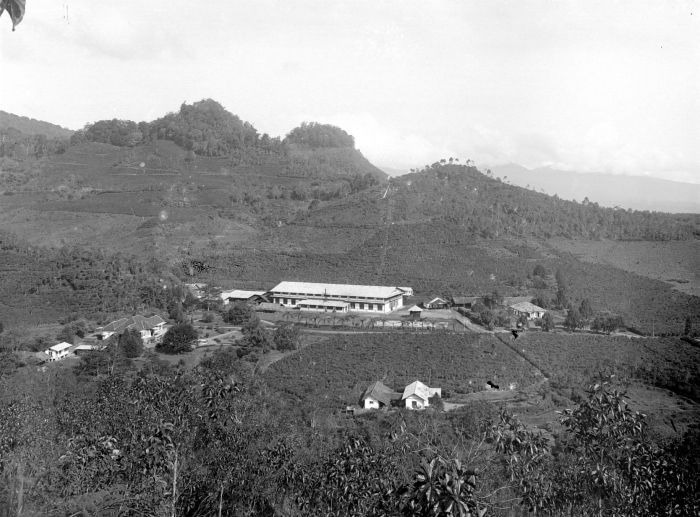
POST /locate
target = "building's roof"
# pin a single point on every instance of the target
(343, 290)
(268, 306)
(420, 390)
(436, 300)
(512, 300)
(117, 325)
(407, 290)
(526, 307)
(415, 308)
(324, 303)
(240, 294)
(143, 323)
(381, 393)
(464, 299)
(87, 347)
(60, 347)
(137, 322)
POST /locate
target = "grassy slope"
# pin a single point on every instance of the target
(572, 360)
(30, 126)
(335, 372)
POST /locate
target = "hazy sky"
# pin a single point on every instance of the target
(590, 86)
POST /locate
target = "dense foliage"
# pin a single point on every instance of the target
(465, 196)
(313, 134)
(178, 339)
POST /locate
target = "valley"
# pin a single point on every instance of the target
(127, 219)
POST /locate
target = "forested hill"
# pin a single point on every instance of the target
(462, 195)
(206, 129)
(30, 126)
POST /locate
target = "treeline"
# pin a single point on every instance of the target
(313, 134)
(218, 440)
(21, 146)
(207, 129)
(463, 195)
(42, 284)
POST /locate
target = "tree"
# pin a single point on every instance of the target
(67, 334)
(540, 301)
(523, 321)
(130, 343)
(573, 319)
(585, 309)
(2, 328)
(547, 321)
(239, 314)
(286, 337)
(561, 299)
(561, 280)
(687, 329)
(255, 335)
(539, 271)
(178, 339)
(606, 463)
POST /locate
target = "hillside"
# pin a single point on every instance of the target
(30, 126)
(202, 186)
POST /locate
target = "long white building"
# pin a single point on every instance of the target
(363, 298)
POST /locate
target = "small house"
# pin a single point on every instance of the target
(197, 290)
(464, 302)
(58, 352)
(528, 309)
(378, 395)
(417, 395)
(86, 348)
(241, 296)
(415, 312)
(436, 303)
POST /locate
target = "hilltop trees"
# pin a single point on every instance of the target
(314, 134)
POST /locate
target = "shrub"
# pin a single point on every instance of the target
(286, 337)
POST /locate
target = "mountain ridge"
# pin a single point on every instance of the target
(635, 192)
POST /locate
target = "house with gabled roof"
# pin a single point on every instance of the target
(528, 309)
(150, 328)
(436, 303)
(417, 395)
(378, 395)
(240, 295)
(59, 351)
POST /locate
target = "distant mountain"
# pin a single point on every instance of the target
(636, 192)
(391, 171)
(30, 126)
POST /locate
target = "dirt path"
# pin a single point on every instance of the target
(387, 227)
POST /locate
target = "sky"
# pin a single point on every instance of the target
(610, 86)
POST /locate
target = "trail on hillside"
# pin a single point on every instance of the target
(510, 345)
(387, 227)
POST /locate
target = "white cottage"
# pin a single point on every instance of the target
(417, 395)
(58, 352)
(378, 395)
